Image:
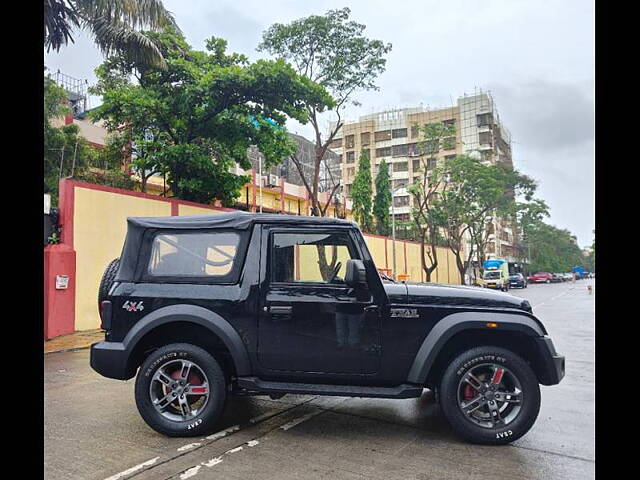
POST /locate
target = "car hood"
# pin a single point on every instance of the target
(434, 294)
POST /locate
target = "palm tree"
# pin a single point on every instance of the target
(114, 24)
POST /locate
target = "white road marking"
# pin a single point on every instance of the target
(252, 443)
(223, 433)
(212, 462)
(234, 450)
(190, 472)
(148, 463)
(298, 421)
(189, 446)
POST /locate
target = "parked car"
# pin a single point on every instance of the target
(567, 276)
(517, 280)
(540, 277)
(557, 278)
(204, 308)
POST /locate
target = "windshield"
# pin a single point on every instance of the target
(492, 275)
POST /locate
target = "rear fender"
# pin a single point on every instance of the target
(197, 315)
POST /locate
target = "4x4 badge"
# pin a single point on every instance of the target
(133, 306)
(404, 313)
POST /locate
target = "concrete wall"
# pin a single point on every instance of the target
(94, 217)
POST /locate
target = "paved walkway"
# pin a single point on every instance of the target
(73, 341)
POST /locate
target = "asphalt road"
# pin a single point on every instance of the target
(93, 430)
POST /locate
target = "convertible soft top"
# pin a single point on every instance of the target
(235, 220)
(137, 226)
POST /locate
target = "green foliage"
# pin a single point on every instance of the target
(362, 193)
(196, 119)
(553, 249)
(470, 195)
(382, 200)
(114, 24)
(331, 51)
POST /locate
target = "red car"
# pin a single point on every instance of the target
(540, 277)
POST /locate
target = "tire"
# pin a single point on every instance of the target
(108, 277)
(518, 420)
(548, 281)
(170, 422)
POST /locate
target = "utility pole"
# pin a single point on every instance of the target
(260, 180)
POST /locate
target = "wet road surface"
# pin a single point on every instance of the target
(93, 430)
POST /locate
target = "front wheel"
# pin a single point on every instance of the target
(490, 396)
(180, 390)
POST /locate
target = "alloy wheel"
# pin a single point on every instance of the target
(490, 395)
(179, 390)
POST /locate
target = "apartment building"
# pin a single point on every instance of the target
(394, 136)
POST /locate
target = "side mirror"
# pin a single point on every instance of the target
(355, 275)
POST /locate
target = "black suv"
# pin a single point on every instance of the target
(207, 307)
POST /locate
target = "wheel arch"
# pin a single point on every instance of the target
(191, 324)
(462, 330)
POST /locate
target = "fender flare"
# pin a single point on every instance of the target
(456, 322)
(199, 316)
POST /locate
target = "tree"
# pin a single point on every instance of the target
(426, 209)
(553, 249)
(114, 24)
(331, 51)
(382, 200)
(471, 195)
(196, 118)
(362, 193)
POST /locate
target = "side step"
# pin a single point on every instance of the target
(256, 385)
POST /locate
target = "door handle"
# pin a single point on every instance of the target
(280, 309)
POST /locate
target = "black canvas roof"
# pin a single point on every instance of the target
(137, 226)
(237, 220)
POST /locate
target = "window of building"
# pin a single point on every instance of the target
(448, 143)
(484, 119)
(402, 201)
(401, 183)
(484, 138)
(401, 167)
(347, 190)
(351, 171)
(432, 163)
(383, 152)
(417, 179)
(349, 141)
(295, 257)
(210, 254)
(365, 138)
(336, 143)
(351, 157)
(399, 150)
(382, 135)
(449, 122)
(413, 149)
(417, 165)
(399, 133)
(414, 131)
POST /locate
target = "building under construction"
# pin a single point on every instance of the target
(394, 136)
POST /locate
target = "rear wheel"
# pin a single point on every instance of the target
(489, 395)
(180, 390)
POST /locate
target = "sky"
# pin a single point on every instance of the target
(535, 57)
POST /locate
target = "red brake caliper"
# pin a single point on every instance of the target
(497, 376)
(194, 379)
(468, 392)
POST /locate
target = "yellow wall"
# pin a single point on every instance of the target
(191, 210)
(100, 223)
(99, 229)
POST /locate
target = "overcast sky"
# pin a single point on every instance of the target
(535, 57)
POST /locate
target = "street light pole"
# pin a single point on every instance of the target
(260, 180)
(393, 234)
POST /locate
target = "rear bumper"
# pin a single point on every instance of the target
(110, 360)
(552, 368)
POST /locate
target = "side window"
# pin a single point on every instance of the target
(210, 254)
(310, 257)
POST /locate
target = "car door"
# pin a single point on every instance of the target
(310, 321)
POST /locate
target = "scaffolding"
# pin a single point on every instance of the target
(76, 91)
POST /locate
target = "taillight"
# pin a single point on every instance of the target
(105, 315)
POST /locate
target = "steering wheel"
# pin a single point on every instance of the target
(334, 272)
